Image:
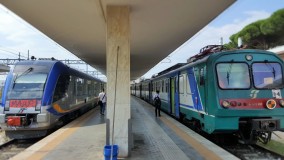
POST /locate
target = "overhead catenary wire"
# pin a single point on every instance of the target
(14, 53)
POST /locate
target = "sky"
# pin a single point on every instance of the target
(231, 21)
(18, 36)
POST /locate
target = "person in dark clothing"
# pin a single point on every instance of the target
(157, 102)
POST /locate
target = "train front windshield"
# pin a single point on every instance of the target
(233, 75)
(27, 84)
(237, 75)
(267, 75)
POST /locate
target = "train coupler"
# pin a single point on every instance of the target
(265, 124)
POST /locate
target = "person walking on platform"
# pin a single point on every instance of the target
(157, 102)
(102, 101)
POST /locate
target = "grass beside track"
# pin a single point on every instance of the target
(274, 146)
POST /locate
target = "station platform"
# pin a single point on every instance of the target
(154, 138)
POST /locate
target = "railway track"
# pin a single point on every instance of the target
(13, 147)
(249, 152)
(243, 151)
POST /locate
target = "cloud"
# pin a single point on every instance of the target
(19, 36)
(209, 35)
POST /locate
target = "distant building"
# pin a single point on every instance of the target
(4, 68)
(278, 50)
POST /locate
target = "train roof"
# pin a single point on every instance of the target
(208, 57)
(51, 62)
(178, 65)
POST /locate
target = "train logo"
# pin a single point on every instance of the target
(253, 94)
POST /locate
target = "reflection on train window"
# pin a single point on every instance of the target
(233, 75)
(27, 86)
(267, 75)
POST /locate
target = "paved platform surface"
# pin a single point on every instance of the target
(161, 138)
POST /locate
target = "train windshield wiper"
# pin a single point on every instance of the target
(229, 73)
(24, 73)
(271, 68)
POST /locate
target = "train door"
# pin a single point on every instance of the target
(201, 86)
(174, 97)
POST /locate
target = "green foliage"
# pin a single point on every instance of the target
(262, 34)
(274, 146)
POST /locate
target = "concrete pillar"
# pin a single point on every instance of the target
(118, 78)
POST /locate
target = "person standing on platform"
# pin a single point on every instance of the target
(157, 102)
(102, 101)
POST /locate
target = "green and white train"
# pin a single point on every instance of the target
(238, 92)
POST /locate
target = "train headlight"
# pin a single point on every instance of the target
(225, 104)
(38, 105)
(271, 104)
(233, 103)
(7, 106)
(248, 57)
(281, 102)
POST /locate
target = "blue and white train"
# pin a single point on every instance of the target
(41, 94)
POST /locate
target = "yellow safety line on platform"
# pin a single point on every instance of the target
(50, 144)
(202, 150)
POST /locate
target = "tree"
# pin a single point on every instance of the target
(262, 34)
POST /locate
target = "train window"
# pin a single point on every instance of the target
(267, 75)
(188, 91)
(167, 85)
(157, 86)
(233, 75)
(181, 84)
(163, 85)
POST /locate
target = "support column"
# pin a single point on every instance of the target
(118, 78)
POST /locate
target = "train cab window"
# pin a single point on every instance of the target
(267, 75)
(61, 87)
(233, 75)
(202, 76)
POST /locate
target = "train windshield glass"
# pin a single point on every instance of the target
(26, 86)
(267, 75)
(233, 75)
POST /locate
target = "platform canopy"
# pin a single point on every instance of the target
(158, 27)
